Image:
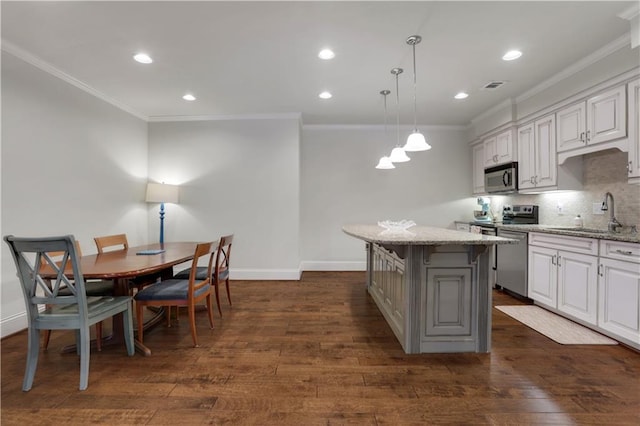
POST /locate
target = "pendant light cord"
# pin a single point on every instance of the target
(415, 120)
(397, 112)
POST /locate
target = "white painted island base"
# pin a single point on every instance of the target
(434, 294)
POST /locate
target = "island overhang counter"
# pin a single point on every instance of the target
(431, 285)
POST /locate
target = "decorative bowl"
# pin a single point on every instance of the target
(402, 225)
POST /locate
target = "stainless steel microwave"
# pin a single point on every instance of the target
(502, 179)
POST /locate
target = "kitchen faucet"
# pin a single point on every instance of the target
(613, 224)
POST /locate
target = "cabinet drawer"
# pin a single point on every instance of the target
(573, 244)
(629, 252)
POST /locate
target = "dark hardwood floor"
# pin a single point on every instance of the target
(318, 352)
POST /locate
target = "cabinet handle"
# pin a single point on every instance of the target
(582, 137)
(629, 167)
(559, 257)
(553, 260)
(625, 252)
(535, 180)
(588, 135)
(600, 267)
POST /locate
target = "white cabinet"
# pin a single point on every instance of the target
(499, 149)
(619, 290)
(477, 154)
(537, 166)
(599, 119)
(578, 286)
(387, 284)
(563, 274)
(618, 298)
(633, 94)
(543, 275)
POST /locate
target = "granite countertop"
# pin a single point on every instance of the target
(575, 232)
(421, 235)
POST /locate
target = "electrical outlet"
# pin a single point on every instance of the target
(559, 208)
(597, 208)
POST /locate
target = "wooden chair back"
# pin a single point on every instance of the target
(223, 255)
(110, 241)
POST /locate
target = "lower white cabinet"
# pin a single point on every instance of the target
(595, 282)
(619, 290)
(543, 275)
(578, 285)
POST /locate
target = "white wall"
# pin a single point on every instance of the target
(71, 164)
(235, 176)
(341, 185)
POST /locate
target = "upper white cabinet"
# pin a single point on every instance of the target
(633, 94)
(477, 152)
(599, 119)
(499, 149)
(537, 154)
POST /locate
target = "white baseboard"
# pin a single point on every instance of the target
(13, 324)
(265, 274)
(313, 265)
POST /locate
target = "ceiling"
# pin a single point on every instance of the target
(247, 58)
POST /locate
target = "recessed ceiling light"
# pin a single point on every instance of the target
(325, 95)
(461, 95)
(511, 55)
(189, 97)
(326, 54)
(143, 58)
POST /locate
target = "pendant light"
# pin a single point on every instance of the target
(385, 162)
(397, 154)
(416, 140)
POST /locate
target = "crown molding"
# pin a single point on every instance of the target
(221, 117)
(502, 105)
(381, 127)
(29, 58)
(582, 64)
(630, 13)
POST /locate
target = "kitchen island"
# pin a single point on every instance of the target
(431, 285)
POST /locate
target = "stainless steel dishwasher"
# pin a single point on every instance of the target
(511, 271)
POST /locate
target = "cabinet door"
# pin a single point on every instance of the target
(546, 157)
(398, 293)
(619, 298)
(578, 285)
(543, 275)
(606, 116)
(490, 152)
(526, 156)
(634, 129)
(478, 168)
(571, 127)
(504, 147)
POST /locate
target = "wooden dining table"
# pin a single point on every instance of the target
(123, 265)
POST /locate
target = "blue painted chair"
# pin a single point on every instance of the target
(47, 309)
(180, 292)
(220, 270)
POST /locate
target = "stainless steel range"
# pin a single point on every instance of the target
(511, 260)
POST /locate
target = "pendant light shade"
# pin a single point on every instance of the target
(385, 163)
(397, 154)
(416, 140)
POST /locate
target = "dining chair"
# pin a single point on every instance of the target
(92, 287)
(220, 270)
(180, 292)
(47, 309)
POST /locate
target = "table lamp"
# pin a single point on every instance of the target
(161, 193)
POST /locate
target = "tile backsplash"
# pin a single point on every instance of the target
(604, 171)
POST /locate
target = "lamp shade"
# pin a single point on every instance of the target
(161, 193)
(398, 155)
(385, 163)
(416, 142)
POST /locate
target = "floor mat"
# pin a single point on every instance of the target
(555, 327)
